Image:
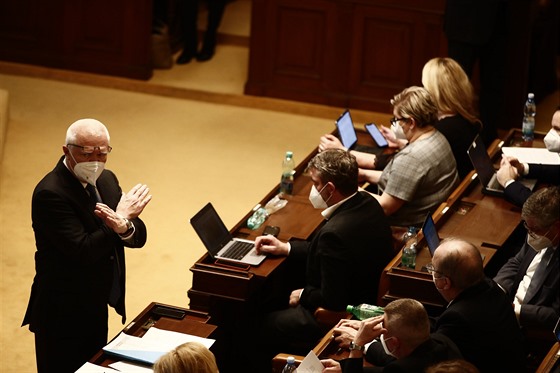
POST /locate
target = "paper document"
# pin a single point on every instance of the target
(311, 364)
(92, 368)
(155, 343)
(532, 155)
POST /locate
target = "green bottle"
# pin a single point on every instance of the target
(365, 311)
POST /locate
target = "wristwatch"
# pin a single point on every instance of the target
(354, 346)
(129, 228)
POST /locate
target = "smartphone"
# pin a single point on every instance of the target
(377, 136)
(271, 229)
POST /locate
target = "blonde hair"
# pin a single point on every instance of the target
(450, 88)
(416, 102)
(190, 357)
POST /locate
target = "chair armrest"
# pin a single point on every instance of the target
(327, 318)
(280, 360)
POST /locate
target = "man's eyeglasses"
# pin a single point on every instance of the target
(431, 270)
(394, 121)
(88, 150)
(532, 233)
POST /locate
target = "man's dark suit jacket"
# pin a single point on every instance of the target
(437, 348)
(481, 322)
(346, 257)
(541, 307)
(518, 193)
(74, 257)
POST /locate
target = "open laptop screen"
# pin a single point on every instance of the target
(430, 234)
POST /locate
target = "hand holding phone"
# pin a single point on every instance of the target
(377, 136)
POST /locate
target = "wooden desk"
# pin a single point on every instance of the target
(232, 296)
(551, 360)
(194, 323)
(468, 214)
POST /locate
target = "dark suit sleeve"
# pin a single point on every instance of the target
(334, 275)
(545, 173)
(517, 193)
(507, 274)
(66, 225)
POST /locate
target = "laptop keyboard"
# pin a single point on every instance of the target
(494, 184)
(237, 250)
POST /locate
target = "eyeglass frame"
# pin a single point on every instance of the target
(394, 121)
(534, 234)
(87, 147)
(431, 270)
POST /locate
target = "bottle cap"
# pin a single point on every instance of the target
(289, 154)
(349, 308)
(291, 359)
(531, 95)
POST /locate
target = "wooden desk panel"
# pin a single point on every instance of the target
(194, 323)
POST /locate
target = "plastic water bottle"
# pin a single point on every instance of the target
(529, 113)
(259, 216)
(365, 311)
(290, 365)
(287, 180)
(410, 240)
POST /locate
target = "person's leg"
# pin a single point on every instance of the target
(215, 14)
(190, 32)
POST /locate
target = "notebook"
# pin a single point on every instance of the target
(486, 173)
(430, 234)
(218, 240)
(348, 136)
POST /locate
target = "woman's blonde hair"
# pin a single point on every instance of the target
(190, 357)
(450, 88)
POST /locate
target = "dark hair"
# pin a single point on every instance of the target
(338, 167)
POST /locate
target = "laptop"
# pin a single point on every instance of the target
(348, 136)
(430, 234)
(486, 173)
(218, 240)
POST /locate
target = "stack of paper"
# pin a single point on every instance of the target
(532, 155)
(155, 343)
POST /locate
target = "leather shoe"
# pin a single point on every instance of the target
(207, 51)
(184, 58)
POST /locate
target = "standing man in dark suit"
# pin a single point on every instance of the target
(82, 220)
(531, 279)
(343, 261)
(479, 318)
(404, 333)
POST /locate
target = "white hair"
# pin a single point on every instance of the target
(86, 127)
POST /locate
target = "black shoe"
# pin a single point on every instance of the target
(185, 58)
(207, 51)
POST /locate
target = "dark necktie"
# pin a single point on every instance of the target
(93, 193)
(115, 293)
(539, 273)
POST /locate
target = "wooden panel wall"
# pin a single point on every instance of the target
(103, 36)
(349, 53)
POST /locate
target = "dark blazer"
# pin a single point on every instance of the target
(518, 193)
(541, 308)
(460, 133)
(346, 257)
(75, 253)
(437, 348)
(481, 322)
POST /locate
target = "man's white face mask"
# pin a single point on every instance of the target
(538, 242)
(88, 172)
(316, 198)
(552, 141)
(384, 344)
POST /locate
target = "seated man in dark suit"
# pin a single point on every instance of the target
(511, 169)
(343, 261)
(479, 317)
(404, 333)
(531, 278)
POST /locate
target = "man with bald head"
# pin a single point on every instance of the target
(479, 318)
(82, 220)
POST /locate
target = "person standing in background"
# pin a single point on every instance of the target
(190, 30)
(82, 220)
